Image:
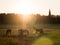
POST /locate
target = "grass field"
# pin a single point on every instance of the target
(51, 38)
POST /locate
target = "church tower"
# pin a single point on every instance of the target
(49, 12)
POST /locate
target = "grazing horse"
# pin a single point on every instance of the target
(8, 32)
(23, 32)
(40, 31)
(20, 31)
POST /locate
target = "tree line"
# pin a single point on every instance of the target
(11, 18)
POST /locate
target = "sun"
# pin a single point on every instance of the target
(25, 8)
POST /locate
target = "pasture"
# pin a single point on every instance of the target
(50, 37)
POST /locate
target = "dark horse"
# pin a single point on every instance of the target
(40, 31)
(23, 32)
(8, 32)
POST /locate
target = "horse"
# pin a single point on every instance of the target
(23, 32)
(8, 32)
(39, 31)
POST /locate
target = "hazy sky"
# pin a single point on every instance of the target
(30, 6)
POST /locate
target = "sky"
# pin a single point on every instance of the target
(30, 6)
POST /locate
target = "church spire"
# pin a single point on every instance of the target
(49, 12)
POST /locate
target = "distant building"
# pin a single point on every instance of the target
(49, 12)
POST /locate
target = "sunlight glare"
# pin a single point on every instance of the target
(26, 18)
(25, 8)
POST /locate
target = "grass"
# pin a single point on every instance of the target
(52, 38)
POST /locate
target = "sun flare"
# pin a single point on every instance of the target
(25, 8)
(26, 18)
